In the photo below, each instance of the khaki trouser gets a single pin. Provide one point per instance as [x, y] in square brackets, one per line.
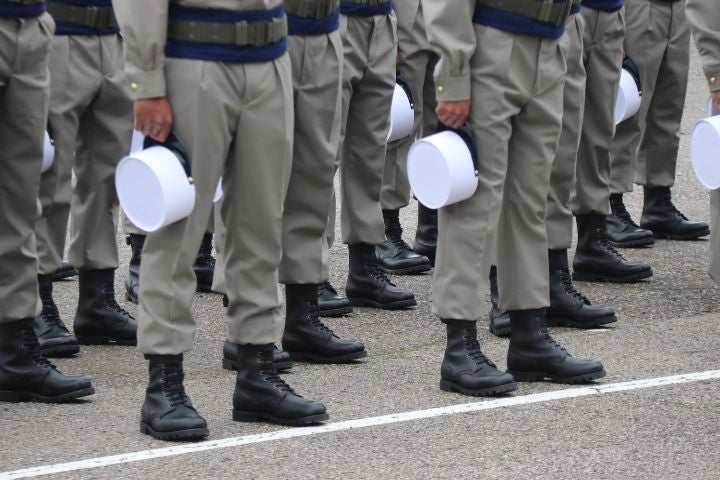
[317, 64]
[517, 84]
[602, 44]
[236, 120]
[91, 117]
[646, 145]
[417, 62]
[562, 180]
[369, 47]
[715, 238]
[24, 94]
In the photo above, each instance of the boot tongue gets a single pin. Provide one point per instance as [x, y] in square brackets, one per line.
[32, 348]
[569, 287]
[472, 346]
[271, 375]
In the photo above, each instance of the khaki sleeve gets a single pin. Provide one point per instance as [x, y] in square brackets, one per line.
[704, 18]
[143, 24]
[451, 33]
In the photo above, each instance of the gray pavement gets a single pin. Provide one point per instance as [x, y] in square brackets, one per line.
[668, 325]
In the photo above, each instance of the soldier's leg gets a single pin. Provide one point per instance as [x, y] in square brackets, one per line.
[104, 136]
[394, 255]
[24, 97]
[657, 154]
[373, 42]
[595, 259]
[567, 305]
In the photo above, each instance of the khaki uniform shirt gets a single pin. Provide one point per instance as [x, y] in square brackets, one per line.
[704, 18]
[144, 26]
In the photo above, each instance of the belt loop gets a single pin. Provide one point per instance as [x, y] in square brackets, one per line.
[241, 33]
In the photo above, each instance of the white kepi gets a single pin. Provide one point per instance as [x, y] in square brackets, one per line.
[48, 153]
[628, 98]
[155, 186]
[705, 151]
[441, 168]
[402, 115]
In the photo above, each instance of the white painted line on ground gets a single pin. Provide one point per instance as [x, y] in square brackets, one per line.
[185, 449]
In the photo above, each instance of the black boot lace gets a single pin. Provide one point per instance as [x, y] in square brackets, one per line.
[604, 240]
[327, 286]
[545, 334]
[172, 385]
[312, 314]
[374, 270]
[472, 347]
[668, 204]
[50, 313]
[394, 235]
[32, 348]
[621, 213]
[270, 373]
[108, 293]
[569, 287]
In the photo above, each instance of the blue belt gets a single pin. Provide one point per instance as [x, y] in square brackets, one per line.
[89, 28]
[310, 26]
[19, 10]
[360, 10]
[224, 52]
[517, 24]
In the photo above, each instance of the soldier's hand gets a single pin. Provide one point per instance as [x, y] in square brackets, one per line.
[715, 99]
[154, 118]
[453, 114]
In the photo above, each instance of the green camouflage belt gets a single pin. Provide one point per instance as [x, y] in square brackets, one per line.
[241, 34]
[541, 10]
[91, 17]
[315, 9]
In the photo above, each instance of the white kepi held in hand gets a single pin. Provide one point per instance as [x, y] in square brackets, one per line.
[628, 98]
[155, 189]
[48, 153]
[402, 115]
[705, 151]
[441, 169]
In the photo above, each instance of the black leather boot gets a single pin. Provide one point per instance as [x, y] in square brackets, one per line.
[534, 356]
[427, 233]
[53, 337]
[598, 261]
[662, 217]
[568, 307]
[499, 319]
[465, 369]
[99, 319]
[167, 413]
[261, 395]
[281, 358]
[132, 282]
[394, 255]
[66, 270]
[27, 376]
[368, 285]
[623, 232]
[306, 338]
[330, 304]
[205, 265]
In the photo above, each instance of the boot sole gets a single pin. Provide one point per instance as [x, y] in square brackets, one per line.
[567, 322]
[56, 277]
[313, 358]
[543, 377]
[407, 271]
[17, 397]
[242, 416]
[598, 277]
[448, 386]
[366, 302]
[61, 351]
[335, 312]
[189, 434]
[131, 298]
[281, 366]
[687, 236]
[105, 340]
[634, 244]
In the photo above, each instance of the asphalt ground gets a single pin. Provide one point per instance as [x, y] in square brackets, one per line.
[667, 326]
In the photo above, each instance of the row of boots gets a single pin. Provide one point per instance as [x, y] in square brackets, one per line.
[260, 393]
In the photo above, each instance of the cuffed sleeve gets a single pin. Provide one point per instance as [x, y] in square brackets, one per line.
[451, 34]
[704, 19]
[143, 24]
